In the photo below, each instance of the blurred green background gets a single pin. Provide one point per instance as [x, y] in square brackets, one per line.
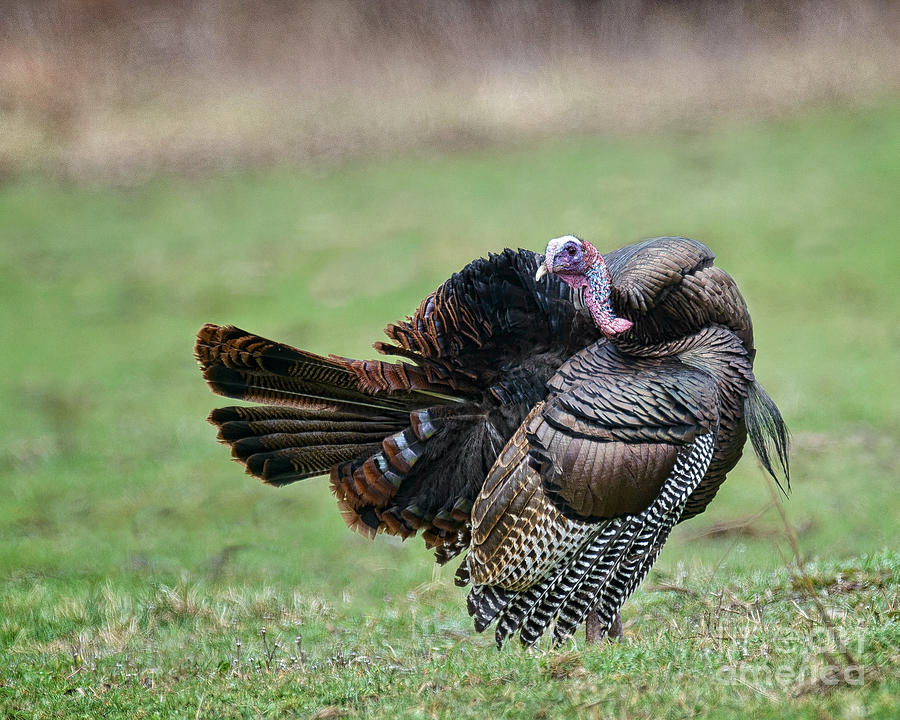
[130, 216]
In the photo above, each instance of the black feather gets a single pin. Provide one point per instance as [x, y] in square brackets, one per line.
[768, 433]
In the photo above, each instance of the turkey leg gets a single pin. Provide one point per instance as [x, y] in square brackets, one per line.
[594, 633]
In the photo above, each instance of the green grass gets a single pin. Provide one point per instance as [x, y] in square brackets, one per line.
[134, 557]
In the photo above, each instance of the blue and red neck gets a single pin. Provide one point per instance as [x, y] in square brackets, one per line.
[598, 294]
[578, 263]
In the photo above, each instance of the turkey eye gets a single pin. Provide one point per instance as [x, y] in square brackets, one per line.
[571, 250]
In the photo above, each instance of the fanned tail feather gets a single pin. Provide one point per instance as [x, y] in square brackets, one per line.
[245, 366]
[366, 423]
[281, 445]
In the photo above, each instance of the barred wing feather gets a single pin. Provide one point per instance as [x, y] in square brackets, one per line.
[583, 497]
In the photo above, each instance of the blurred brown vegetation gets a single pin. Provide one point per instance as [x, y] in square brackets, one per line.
[115, 90]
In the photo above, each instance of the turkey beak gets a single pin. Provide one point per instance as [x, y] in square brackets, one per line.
[541, 271]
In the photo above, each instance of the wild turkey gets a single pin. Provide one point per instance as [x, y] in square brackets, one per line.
[554, 425]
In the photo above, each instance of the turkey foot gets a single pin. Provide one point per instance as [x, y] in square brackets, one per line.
[593, 630]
